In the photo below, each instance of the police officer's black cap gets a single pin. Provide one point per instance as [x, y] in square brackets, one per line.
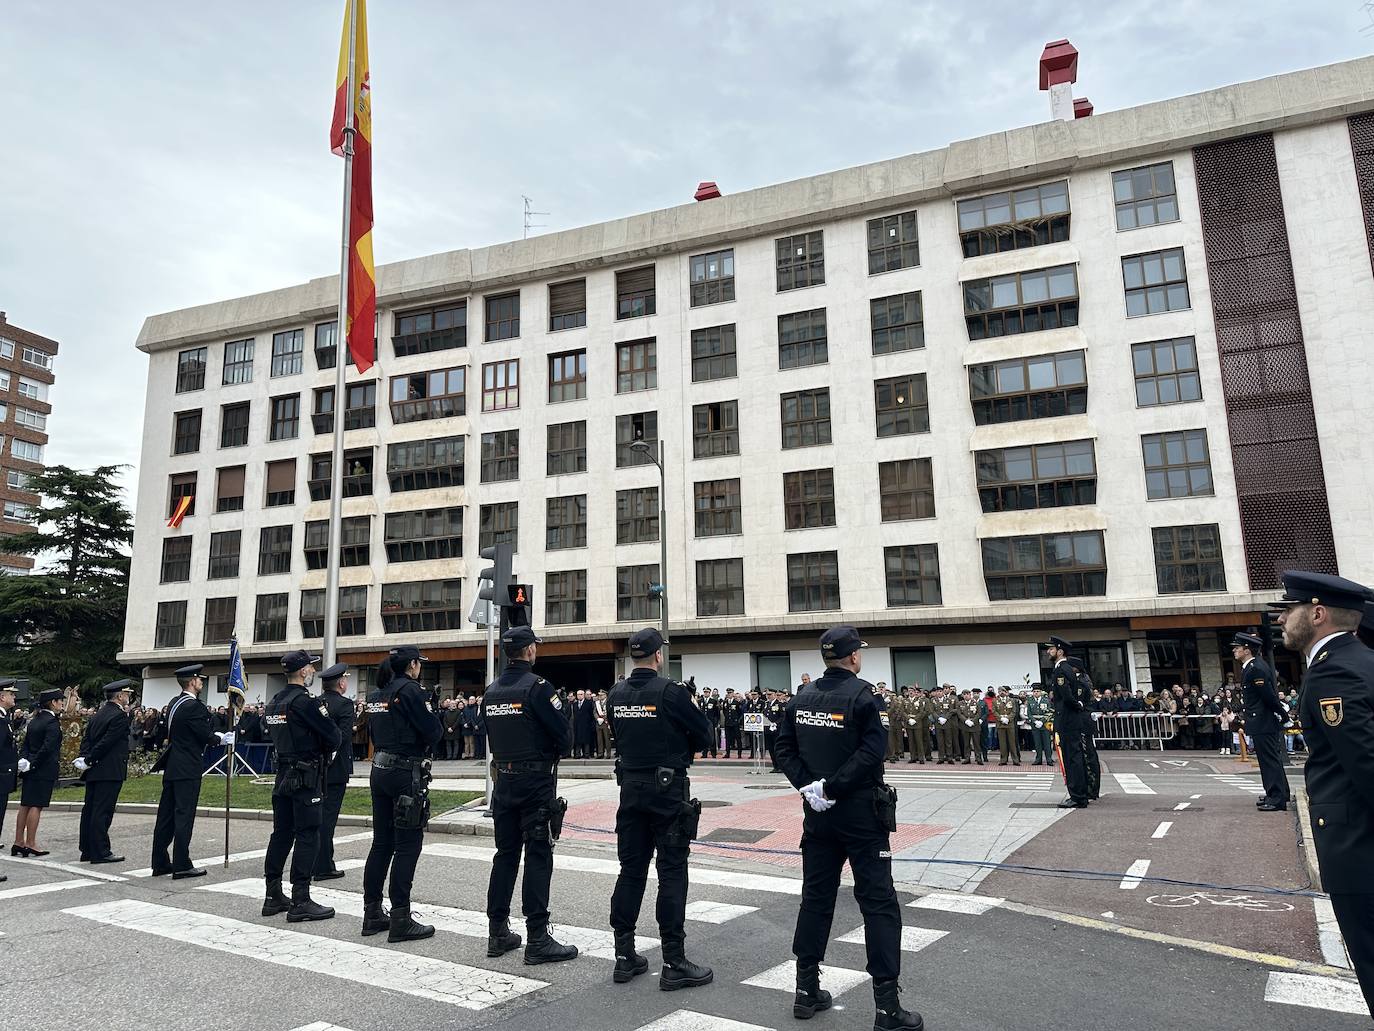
[187, 672]
[519, 637]
[1303, 588]
[52, 694]
[408, 653]
[1077, 663]
[293, 661]
[1250, 641]
[1057, 642]
[334, 672]
[839, 641]
[644, 643]
[7, 683]
[116, 686]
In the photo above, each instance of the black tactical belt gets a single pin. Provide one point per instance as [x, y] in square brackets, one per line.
[392, 761]
[541, 766]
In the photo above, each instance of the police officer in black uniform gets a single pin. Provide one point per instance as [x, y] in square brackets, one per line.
[1264, 716]
[104, 766]
[1069, 714]
[404, 731]
[526, 733]
[1092, 765]
[187, 729]
[831, 747]
[339, 708]
[304, 737]
[1337, 710]
[734, 723]
[658, 730]
[9, 751]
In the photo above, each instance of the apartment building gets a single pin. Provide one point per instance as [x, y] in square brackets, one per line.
[26, 380]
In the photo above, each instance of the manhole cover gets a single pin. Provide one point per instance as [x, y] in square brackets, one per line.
[713, 803]
[736, 835]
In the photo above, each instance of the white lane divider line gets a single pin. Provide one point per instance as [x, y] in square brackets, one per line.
[914, 939]
[1182, 806]
[715, 912]
[467, 987]
[783, 978]
[1323, 993]
[1162, 829]
[690, 1020]
[210, 862]
[44, 889]
[320, 1025]
[72, 868]
[1194, 797]
[1134, 873]
[956, 902]
[1132, 784]
[1329, 933]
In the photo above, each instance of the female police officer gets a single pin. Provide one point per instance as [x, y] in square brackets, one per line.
[404, 728]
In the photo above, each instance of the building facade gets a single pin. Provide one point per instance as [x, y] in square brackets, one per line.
[26, 380]
[1102, 378]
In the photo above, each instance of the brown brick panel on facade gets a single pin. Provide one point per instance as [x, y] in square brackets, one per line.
[1362, 145]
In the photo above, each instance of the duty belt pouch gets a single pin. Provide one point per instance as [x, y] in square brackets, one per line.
[885, 808]
[556, 812]
[619, 778]
[663, 777]
[684, 829]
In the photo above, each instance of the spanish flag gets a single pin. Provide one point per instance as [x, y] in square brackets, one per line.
[353, 94]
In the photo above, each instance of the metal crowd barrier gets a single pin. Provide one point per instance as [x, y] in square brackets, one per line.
[1143, 728]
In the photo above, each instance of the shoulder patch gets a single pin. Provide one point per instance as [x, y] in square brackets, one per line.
[1333, 711]
[556, 702]
[324, 709]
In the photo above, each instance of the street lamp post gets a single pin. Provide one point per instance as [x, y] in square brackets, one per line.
[644, 447]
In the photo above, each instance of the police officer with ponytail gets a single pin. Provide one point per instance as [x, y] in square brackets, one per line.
[527, 733]
[404, 729]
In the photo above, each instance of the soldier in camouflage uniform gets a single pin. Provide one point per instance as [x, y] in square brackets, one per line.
[946, 722]
[918, 711]
[1007, 709]
[896, 725]
[970, 724]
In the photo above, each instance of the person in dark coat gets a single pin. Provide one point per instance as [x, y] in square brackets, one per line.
[104, 766]
[340, 709]
[9, 753]
[187, 729]
[38, 764]
[584, 726]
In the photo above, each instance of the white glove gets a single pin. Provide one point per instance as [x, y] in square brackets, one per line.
[1097, 716]
[911, 723]
[1006, 719]
[23, 766]
[1039, 724]
[227, 738]
[81, 764]
[942, 721]
[814, 793]
[968, 723]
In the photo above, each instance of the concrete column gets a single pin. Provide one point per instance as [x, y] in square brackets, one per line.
[1140, 661]
[1208, 660]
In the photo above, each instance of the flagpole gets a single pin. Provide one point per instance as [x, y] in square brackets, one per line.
[229, 752]
[331, 588]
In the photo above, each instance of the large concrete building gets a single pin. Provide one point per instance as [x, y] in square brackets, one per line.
[26, 378]
[1103, 377]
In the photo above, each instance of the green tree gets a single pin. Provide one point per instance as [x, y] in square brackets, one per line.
[64, 624]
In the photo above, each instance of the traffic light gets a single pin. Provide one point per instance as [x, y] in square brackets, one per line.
[1267, 634]
[519, 607]
[494, 581]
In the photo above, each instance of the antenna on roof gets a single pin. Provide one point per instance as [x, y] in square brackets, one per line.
[530, 213]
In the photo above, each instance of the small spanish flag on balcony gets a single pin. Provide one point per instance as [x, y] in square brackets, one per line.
[184, 504]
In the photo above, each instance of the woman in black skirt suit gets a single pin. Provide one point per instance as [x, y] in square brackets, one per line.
[38, 764]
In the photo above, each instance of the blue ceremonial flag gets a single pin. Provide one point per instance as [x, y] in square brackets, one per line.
[237, 687]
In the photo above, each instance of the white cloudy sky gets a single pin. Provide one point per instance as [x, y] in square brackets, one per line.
[160, 154]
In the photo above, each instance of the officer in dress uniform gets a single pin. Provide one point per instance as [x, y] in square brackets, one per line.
[339, 709]
[1265, 714]
[1092, 765]
[1337, 707]
[969, 714]
[772, 713]
[1008, 711]
[1069, 714]
[104, 766]
[187, 729]
[710, 705]
[734, 724]
[39, 762]
[9, 752]
[896, 725]
[404, 730]
[831, 746]
[658, 730]
[527, 733]
[944, 710]
[918, 725]
[1038, 712]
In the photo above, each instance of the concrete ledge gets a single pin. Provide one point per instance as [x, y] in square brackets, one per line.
[1305, 842]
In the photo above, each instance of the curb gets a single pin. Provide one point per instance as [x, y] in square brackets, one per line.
[1306, 845]
[483, 829]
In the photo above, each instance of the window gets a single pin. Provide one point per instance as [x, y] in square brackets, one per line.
[1188, 559]
[566, 523]
[720, 587]
[713, 353]
[897, 323]
[636, 515]
[233, 424]
[19, 512]
[16, 480]
[501, 385]
[715, 429]
[1042, 476]
[1155, 282]
[808, 498]
[176, 560]
[171, 625]
[269, 618]
[1166, 372]
[30, 419]
[286, 418]
[906, 489]
[287, 351]
[499, 524]
[801, 261]
[224, 555]
[500, 456]
[274, 550]
[229, 489]
[1042, 387]
[503, 316]
[718, 509]
[806, 418]
[423, 535]
[813, 581]
[35, 357]
[6, 347]
[567, 376]
[1021, 302]
[634, 292]
[636, 366]
[219, 620]
[1052, 565]
[422, 605]
[326, 350]
[1016, 219]
[26, 451]
[565, 597]
[567, 304]
[4, 412]
[238, 362]
[281, 483]
[712, 277]
[32, 389]
[360, 408]
[425, 464]
[893, 243]
[357, 474]
[567, 448]
[1145, 196]
[352, 612]
[439, 394]
[4, 380]
[191, 369]
[355, 539]
[630, 428]
[632, 598]
[181, 485]
[913, 575]
[185, 431]
[322, 418]
[1177, 465]
[437, 329]
[901, 406]
[802, 339]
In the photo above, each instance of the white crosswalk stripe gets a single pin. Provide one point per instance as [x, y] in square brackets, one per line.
[1235, 780]
[690, 1020]
[716, 912]
[982, 780]
[1323, 993]
[320, 1025]
[783, 978]
[914, 939]
[1132, 784]
[956, 902]
[44, 889]
[257, 853]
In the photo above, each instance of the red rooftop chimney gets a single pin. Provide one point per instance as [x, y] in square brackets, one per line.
[1082, 107]
[1058, 73]
[707, 190]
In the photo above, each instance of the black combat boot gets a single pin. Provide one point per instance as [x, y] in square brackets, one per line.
[305, 908]
[276, 900]
[679, 971]
[405, 929]
[628, 963]
[810, 997]
[376, 919]
[890, 1015]
[543, 949]
[500, 938]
